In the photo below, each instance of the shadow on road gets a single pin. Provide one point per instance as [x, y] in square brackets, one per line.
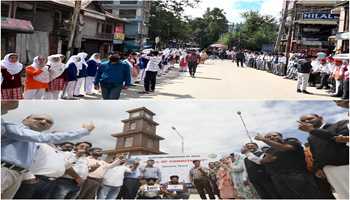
[208, 78]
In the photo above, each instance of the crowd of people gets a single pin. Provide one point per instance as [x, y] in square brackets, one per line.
[37, 165]
[318, 71]
[51, 78]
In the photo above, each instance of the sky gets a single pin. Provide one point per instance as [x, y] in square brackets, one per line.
[233, 8]
[207, 126]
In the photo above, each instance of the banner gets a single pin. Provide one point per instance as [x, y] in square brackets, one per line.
[319, 16]
[179, 165]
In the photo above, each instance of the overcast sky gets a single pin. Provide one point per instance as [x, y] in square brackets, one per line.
[234, 8]
[207, 126]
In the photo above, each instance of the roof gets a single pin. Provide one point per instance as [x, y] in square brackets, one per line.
[18, 25]
[141, 109]
[71, 3]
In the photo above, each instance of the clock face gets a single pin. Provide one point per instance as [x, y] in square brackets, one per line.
[136, 114]
[133, 126]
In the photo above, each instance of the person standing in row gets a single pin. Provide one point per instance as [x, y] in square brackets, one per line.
[304, 70]
[37, 79]
[92, 65]
[11, 85]
[112, 77]
[200, 180]
[56, 69]
[72, 67]
[81, 76]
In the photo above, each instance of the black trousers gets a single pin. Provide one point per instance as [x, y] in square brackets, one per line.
[346, 89]
[42, 189]
[239, 61]
[65, 188]
[192, 67]
[296, 185]
[129, 188]
[313, 79]
[203, 187]
[264, 187]
[324, 81]
[150, 81]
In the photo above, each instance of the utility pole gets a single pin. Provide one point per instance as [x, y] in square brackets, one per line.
[73, 27]
[282, 25]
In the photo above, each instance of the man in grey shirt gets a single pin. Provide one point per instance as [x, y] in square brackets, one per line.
[149, 171]
[199, 177]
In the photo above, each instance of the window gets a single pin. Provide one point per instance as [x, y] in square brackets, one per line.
[148, 116]
[127, 13]
[129, 142]
[135, 114]
[128, 2]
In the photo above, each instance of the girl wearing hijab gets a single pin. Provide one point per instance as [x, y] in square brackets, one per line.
[11, 86]
[225, 183]
[57, 82]
[71, 70]
[92, 65]
[37, 79]
[81, 74]
[244, 188]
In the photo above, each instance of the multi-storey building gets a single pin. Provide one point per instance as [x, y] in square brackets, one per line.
[137, 14]
[307, 25]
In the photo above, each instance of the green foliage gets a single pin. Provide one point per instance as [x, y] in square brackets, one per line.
[253, 33]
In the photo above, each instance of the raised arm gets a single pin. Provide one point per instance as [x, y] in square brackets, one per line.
[23, 133]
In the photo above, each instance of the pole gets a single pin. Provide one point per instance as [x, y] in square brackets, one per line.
[282, 25]
[182, 140]
[73, 26]
[245, 127]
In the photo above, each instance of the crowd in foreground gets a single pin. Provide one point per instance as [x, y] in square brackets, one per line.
[318, 71]
[51, 78]
[36, 164]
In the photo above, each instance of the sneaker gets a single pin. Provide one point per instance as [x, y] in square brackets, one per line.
[299, 91]
[143, 92]
[306, 92]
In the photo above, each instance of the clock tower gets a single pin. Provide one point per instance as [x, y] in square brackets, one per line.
[139, 134]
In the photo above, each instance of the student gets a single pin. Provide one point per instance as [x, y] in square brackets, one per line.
[11, 86]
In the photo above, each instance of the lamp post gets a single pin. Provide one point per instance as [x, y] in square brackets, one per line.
[239, 113]
[182, 139]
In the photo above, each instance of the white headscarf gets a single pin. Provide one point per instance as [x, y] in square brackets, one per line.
[83, 56]
[44, 76]
[56, 67]
[12, 68]
[74, 59]
[36, 62]
[92, 57]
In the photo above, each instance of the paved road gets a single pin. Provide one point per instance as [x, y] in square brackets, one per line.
[223, 80]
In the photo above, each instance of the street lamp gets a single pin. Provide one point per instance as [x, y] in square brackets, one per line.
[239, 113]
[182, 139]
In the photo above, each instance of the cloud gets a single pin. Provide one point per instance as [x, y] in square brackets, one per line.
[207, 126]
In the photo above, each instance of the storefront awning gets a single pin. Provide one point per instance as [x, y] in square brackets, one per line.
[317, 22]
[17, 25]
[343, 36]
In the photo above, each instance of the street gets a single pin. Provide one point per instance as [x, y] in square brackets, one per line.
[223, 80]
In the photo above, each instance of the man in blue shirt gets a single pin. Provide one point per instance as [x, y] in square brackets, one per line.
[112, 76]
[19, 143]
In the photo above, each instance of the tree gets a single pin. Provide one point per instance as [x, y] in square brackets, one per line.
[208, 29]
[254, 32]
[167, 20]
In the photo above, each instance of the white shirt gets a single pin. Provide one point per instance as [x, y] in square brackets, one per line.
[153, 64]
[80, 165]
[48, 161]
[115, 176]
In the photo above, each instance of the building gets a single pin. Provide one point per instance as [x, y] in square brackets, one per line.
[138, 136]
[33, 28]
[137, 14]
[341, 39]
[307, 25]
